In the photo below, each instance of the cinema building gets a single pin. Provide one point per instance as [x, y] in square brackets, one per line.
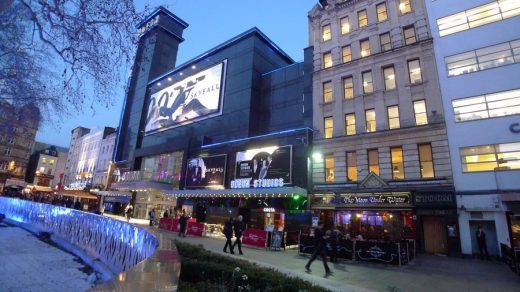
[223, 134]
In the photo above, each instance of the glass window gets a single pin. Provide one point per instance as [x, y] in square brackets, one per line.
[365, 48]
[426, 160]
[462, 63]
[370, 118]
[164, 168]
[346, 53]
[348, 87]
[381, 12]
[326, 33]
[397, 162]
[328, 127]
[350, 124]
[373, 161]
[345, 25]
[367, 82]
[494, 56]
[329, 168]
[386, 44]
[393, 117]
[419, 108]
[490, 157]
[414, 70]
[498, 104]
[327, 91]
[351, 166]
[389, 77]
[409, 35]
[404, 6]
[327, 60]
[362, 18]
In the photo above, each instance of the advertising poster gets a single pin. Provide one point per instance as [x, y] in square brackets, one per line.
[254, 237]
[194, 98]
[206, 171]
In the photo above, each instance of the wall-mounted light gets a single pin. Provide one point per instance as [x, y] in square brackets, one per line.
[193, 67]
[317, 156]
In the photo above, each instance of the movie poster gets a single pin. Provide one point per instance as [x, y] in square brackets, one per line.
[206, 171]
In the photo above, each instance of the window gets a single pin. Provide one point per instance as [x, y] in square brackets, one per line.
[348, 88]
[389, 76]
[367, 82]
[419, 108]
[480, 15]
[397, 162]
[414, 70]
[404, 6]
[11, 140]
[370, 118]
[328, 127]
[486, 106]
[365, 48]
[326, 33]
[426, 160]
[351, 166]
[381, 12]
[393, 117]
[409, 35]
[329, 168]
[42, 169]
[345, 25]
[373, 161]
[484, 58]
[490, 157]
[350, 124]
[346, 54]
[386, 44]
[7, 151]
[327, 60]
[327, 91]
[362, 18]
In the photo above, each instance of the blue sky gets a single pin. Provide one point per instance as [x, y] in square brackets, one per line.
[210, 23]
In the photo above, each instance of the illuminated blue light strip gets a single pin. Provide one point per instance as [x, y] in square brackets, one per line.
[256, 137]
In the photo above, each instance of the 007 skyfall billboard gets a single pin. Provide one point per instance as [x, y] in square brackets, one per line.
[206, 171]
[192, 99]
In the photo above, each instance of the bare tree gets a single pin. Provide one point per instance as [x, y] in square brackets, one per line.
[64, 54]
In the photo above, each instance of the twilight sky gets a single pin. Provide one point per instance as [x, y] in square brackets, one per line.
[210, 24]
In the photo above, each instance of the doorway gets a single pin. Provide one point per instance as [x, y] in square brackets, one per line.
[491, 236]
[435, 240]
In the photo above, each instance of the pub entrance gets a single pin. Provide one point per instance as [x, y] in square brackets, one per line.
[435, 240]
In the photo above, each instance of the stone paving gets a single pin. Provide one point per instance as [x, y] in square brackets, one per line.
[28, 264]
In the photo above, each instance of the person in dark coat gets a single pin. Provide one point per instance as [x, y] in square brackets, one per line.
[239, 226]
[165, 215]
[77, 205]
[183, 221]
[320, 249]
[151, 214]
[228, 232]
[334, 239]
[481, 240]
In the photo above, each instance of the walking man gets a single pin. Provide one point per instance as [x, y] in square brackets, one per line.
[239, 226]
[481, 240]
[183, 221]
[228, 232]
[151, 214]
[320, 249]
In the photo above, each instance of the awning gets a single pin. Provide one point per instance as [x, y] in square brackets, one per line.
[241, 193]
[40, 188]
[114, 194]
[80, 195]
[15, 183]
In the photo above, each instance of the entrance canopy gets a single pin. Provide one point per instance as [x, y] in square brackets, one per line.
[283, 192]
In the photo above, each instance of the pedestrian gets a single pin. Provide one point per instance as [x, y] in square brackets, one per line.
[183, 221]
[334, 238]
[129, 211]
[320, 248]
[151, 214]
[165, 215]
[77, 205]
[238, 226]
[228, 232]
[481, 240]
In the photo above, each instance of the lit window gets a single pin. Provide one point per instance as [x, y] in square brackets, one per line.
[44, 160]
[419, 108]
[350, 124]
[365, 48]
[351, 166]
[346, 54]
[373, 161]
[490, 157]
[498, 104]
[409, 35]
[370, 118]
[328, 127]
[329, 168]
[348, 88]
[393, 117]
[389, 76]
[386, 43]
[367, 82]
[345, 25]
[414, 70]
[426, 160]
[11, 140]
[404, 6]
[397, 162]
[381, 12]
[327, 60]
[327, 91]
[42, 169]
[326, 32]
[362, 18]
